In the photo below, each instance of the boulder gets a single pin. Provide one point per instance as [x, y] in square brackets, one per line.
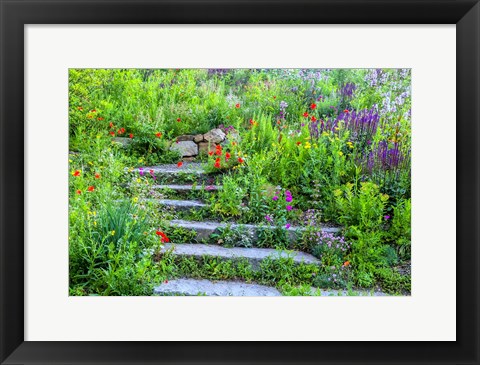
[123, 141]
[185, 138]
[198, 138]
[185, 148]
[203, 147]
[214, 136]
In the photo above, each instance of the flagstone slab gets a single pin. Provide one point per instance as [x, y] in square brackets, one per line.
[193, 287]
[205, 229]
[253, 255]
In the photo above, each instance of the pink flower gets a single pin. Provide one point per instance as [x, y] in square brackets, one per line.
[289, 207]
[287, 226]
[275, 198]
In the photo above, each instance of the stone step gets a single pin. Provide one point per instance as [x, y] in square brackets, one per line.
[179, 204]
[205, 229]
[183, 189]
[253, 255]
[189, 171]
[193, 287]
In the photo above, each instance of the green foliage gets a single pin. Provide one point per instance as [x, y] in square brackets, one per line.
[363, 208]
[400, 229]
[229, 199]
[393, 282]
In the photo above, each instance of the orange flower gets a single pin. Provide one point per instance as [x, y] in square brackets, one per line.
[241, 160]
[80, 108]
[97, 176]
[158, 134]
[237, 105]
[210, 153]
[121, 131]
[131, 135]
[179, 120]
[346, 111]
[217, 164]
[112, 134]
[305, 115]
[313, 106]
[313, 118]
[163, 236]
[299, 143]
[79, 192]
[110, 124]
[234, 143]
[91, 188]
[346, 263]
[76, 173]
[180, 164]
[227, 155]
[100, 118]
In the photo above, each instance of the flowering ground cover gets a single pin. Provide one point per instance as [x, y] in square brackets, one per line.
[306, 191]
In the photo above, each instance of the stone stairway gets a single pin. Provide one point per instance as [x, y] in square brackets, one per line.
[188, 178]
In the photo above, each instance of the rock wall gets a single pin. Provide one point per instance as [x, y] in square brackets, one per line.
[193, 145]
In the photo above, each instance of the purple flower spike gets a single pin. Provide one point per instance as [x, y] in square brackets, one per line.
[289, 207]
[268, 218]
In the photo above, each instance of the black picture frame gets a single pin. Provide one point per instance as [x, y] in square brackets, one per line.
[17, 13]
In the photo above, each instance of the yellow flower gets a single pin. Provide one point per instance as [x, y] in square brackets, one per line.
[340, 153]
[95, 223]
[139, 181]
[98, 136]
[307, 145]
[70, 161]
[130, 169]
[112, 233]
[135, 199]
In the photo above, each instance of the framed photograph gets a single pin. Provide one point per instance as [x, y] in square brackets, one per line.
[239, 182]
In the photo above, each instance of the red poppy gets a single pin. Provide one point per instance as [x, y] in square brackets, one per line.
[158, 134]
[346, 111]
[80, 108]
[299, 143]
[131, 135]
[179, 120]
[76, 173]
[274, 97]
[313, 118]
[217, 164]
[100, 118]
[91, 188]
[234, 143]
[97, 176]
[237, 105]
[251, 121]
[89, 116]
[227, 155]
[164, 238]
[313, 106]
[111, 125]
[241, 160]
[305, 115]
[166, 281]
[210, 153]
[151, 171]
[79, 192]
[121, 131]
[180, 164]
[112, 134]
[278, 122]
[93, 111]
[346, 263]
